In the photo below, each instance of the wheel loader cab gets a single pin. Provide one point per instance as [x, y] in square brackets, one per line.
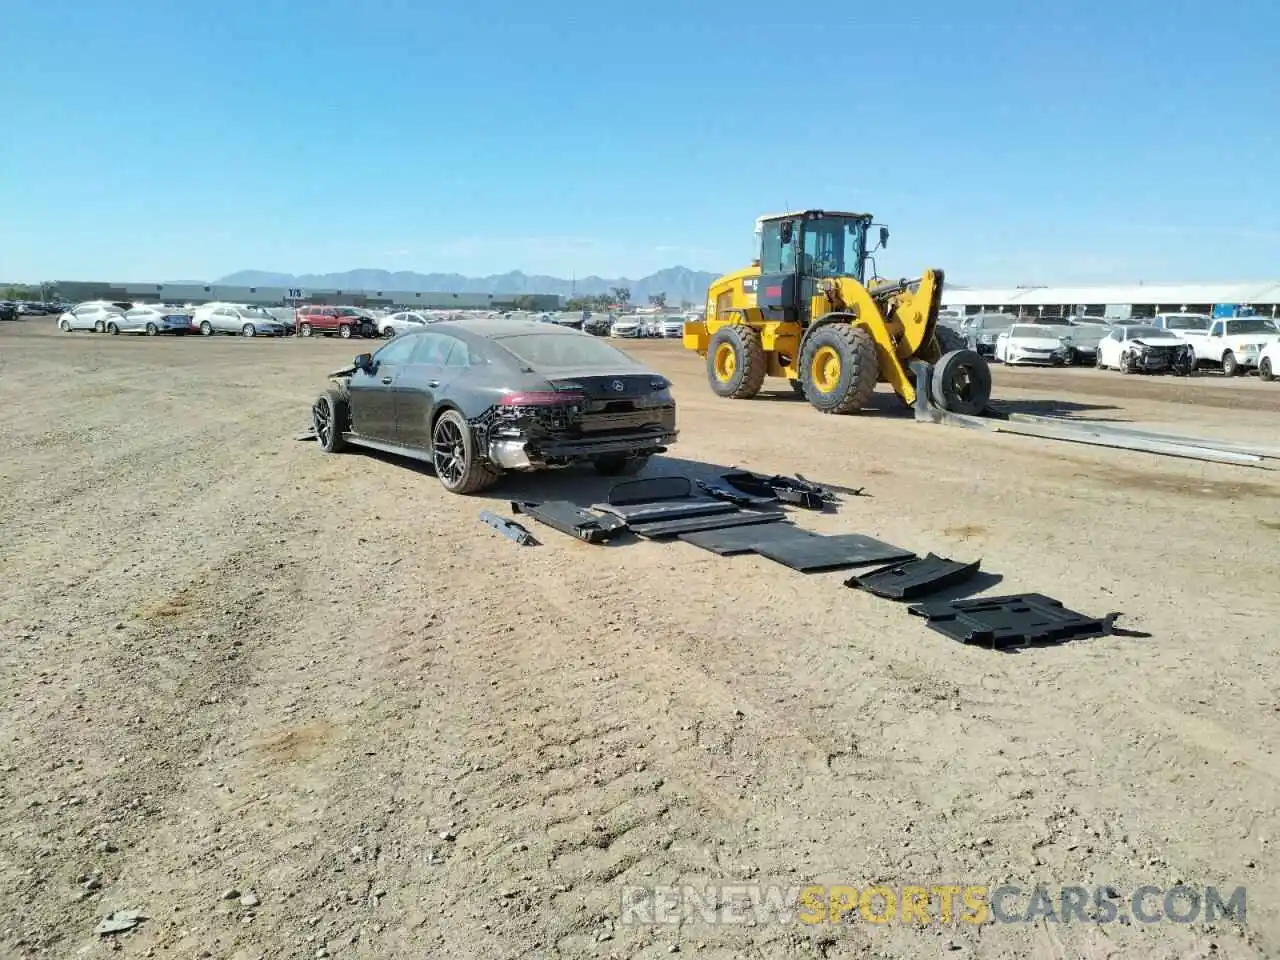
[799, 251]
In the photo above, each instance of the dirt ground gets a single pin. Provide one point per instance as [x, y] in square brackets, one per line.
[295, 705]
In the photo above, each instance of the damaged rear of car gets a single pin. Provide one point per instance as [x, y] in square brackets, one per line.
[479, 399]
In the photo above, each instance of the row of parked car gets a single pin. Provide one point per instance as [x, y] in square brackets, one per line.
[153, 319]
[1165, 343]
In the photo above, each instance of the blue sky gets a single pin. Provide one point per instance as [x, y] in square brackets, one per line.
[1004, 142]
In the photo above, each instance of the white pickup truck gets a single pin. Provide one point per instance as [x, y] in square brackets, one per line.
[1233, 343]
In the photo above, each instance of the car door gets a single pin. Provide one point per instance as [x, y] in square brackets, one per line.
[373, 409]
[1109, 349]
[437, 358]
[83, 318]
[134, 320]
[1215, 343]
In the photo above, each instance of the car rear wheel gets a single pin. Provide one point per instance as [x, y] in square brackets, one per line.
[453, 454]
[304, 330]
[329, 416]
[388, 333]
[152, 329]
[1264, 370]
[619, 464]
[113, 329]
[248, 330]
[344, 332]
[1230, 366]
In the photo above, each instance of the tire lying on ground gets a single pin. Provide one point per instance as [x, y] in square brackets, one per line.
[839, 367]
[735, 362]
[961, 382]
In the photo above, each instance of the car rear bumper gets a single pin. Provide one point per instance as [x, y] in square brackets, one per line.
[518, 454]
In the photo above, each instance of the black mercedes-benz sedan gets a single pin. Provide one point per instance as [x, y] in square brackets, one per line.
[479, 397]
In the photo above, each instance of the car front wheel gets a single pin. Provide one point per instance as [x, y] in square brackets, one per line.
[329, 418]
[1264, 370]
[344, 332]
[453, 454]
[248, 330]
[65, 326]
[1230, 366]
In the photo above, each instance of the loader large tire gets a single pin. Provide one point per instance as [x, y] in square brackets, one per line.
[839, 367]
[735, 362]
[961, 382]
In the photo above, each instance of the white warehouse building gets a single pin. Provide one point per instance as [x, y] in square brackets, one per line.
[1115, 300]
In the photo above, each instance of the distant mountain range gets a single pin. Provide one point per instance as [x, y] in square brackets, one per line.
[678, 283]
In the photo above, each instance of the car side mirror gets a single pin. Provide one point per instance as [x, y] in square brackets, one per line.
[364, 362]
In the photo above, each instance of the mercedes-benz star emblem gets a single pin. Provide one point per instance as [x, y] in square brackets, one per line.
[618, 386]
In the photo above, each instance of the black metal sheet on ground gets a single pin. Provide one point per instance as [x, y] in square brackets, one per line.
[1019, 620]
[832, 553]
[722, 492]
[716, 521]
[654, 511]
[568, 517]
[735, 540]
[650, 489]
[912, 579]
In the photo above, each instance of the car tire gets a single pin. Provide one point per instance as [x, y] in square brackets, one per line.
[152, 330]
[1230, 366]
[344, 331]
[330, 415]
[248, 330]
[388, 333]
[99, 327]
[304, 330]
[206, 329]
[458, 466]
[1124, 362]
[1071, 357]
[619, 465]
[736, 362]
[113, 329]
[64, 326]
[839, 367]
[1097, 360]
[1264, 370]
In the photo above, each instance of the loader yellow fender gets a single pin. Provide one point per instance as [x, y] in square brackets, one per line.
[725, 362]
[824, 369]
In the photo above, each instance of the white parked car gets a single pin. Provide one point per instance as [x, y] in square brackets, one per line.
[1185, 325]
[246, 320]
[1235, 343]
[1269, 361]
[1032, 343]
[398, 323]
[627, 327]
[672, 326]
[151, 319]
[92, 315]
[1137, 348]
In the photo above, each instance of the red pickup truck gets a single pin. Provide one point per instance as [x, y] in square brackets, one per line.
[346, 322]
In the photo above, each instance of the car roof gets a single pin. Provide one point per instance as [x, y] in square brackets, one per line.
[497, 329]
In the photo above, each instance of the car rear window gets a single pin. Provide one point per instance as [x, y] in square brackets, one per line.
[549, 350]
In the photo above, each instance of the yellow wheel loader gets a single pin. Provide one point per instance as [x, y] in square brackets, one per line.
[803, 311]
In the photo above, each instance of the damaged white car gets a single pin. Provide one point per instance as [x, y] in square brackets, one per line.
[1144, 349]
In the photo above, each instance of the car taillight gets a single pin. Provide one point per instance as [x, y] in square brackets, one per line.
[542, 398]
